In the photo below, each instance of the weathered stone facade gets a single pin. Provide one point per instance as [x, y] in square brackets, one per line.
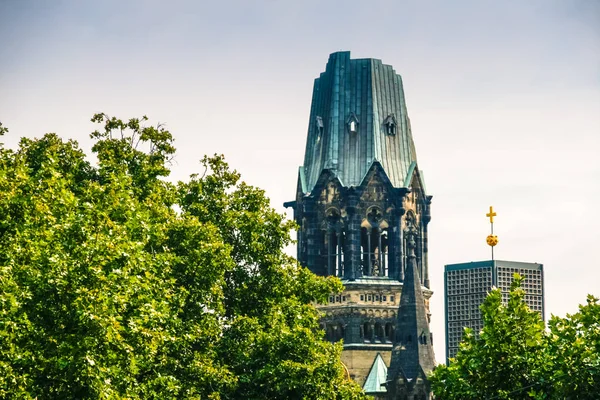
[364, 316]
[360, 195]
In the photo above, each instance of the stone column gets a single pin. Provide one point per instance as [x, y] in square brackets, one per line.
[379, 252]
[401, 254]
[419, 251]
[338, 235]
[330, 255]
[352, 260]
[395, 244]
[369, 269]
[426, 219]
[313, 241]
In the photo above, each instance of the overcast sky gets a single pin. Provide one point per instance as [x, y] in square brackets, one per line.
[503, 96]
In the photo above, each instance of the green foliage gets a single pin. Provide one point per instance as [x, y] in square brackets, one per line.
[117, 284]
[3, 129]
[574, 353]
[514, 357]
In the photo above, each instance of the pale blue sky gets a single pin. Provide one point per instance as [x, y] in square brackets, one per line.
[504, 100]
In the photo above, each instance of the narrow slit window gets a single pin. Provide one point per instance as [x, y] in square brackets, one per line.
[352, 123]
[320, 126]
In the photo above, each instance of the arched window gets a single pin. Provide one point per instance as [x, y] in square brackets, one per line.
[330, 333]
[379, 335]
[340, 331]
[389, 125]
[389, 332]
[368, 332]
[374, 247]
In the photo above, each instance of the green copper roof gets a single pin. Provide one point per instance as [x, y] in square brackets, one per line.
[358, 116]
[376, 378]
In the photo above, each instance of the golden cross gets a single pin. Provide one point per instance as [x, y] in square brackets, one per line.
[491, 214]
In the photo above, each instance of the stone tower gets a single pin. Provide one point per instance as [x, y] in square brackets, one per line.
[359, 193]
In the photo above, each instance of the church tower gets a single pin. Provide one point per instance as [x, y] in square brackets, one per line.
[360, 205]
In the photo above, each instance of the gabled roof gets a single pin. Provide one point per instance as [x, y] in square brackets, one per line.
[373, 168]
[413, 170]
[327, 176]
[377, 376]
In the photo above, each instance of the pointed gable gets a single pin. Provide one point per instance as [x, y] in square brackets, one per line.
[377, 376]
[412, 355]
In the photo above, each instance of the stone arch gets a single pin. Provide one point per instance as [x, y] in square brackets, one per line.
[368, 331]
[338, 331]
[379, 332]
[330, 332]
[333, 233]
[390, 332]
[374, 243]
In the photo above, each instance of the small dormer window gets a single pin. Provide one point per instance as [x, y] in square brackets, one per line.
[320, 126]
[389, 125]
[352, 123]
[391, 129]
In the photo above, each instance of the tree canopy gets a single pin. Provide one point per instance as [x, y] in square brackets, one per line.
[515, 357]
[115, 283]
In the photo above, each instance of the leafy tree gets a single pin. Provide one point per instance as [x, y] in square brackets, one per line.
[574, 353]
[514, 357]
[115, 283]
